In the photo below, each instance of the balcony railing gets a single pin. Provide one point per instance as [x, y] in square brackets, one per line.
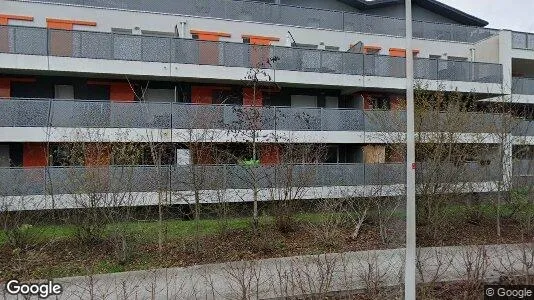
[18, 112]
[115, 179]
[473, 122]
[297, 16]
[167, 115]
[441, 172]
[451, 70]
[112, 46]
[523, 172]
[112, 179]
[524, 128]
[522, 40]
[523, 86]
[176, 115]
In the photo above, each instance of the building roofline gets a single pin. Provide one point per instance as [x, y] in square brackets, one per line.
[432, 5]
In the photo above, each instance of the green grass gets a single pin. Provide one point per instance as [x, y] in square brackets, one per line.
[144, 230]
[147, 231]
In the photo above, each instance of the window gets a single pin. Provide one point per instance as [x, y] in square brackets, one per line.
[379, 102]
[227, 97]
[158, 33]
[303, 101]
[121, 30]
[457, 58]
[64, 92]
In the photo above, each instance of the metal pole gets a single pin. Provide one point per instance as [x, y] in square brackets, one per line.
[410, 259]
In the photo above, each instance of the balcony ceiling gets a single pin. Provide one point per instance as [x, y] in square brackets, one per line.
[431, 5]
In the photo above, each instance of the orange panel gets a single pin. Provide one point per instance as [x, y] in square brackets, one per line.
[371, 49]
[121, 92]
[270, 154]
[57, 23]
[34, 155]
[5, 88]
[208, 53]
[399, 52]
[261, 40]
[202, 94]
[209, 35]
[248, 97]
[97, 154]
[4, 19]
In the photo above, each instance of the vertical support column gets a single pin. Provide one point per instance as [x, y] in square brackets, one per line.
[505, 59]
[411, 255]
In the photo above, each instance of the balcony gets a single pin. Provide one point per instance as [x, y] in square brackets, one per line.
[522, 40]
[111, 46]
[269, 13]
[135, 179]
[524, 128]
[440, 172]
[176, 115]
[523, 172]
[523, 86]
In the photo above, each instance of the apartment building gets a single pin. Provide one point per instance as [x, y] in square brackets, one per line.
[319, 84]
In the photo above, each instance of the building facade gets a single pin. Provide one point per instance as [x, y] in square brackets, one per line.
[167, 89]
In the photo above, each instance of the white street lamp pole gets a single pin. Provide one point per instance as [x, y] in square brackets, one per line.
[410, 260]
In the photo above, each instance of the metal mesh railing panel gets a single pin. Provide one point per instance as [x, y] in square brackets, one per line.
[383, 65]
[24, 113]
[293, 118]
[384, 121]
[69, 113]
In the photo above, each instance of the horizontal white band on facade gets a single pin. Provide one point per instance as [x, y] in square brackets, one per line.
[67, 201]
[46, 134]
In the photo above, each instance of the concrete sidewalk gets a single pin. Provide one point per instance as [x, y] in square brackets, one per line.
[313, 274]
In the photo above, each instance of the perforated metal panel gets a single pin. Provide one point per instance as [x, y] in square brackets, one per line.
[185, 51]
[519, 40]
[385, 121]
[353, 63]
[342, 120]
[140, 115]
[127, 47]
[189, 116]
[93, 45]
[71, 113]
[525, 128]
[22, 181]
[24, 113]
[454, 70]
[425, 68]
[237, 55]
[25, 40]
[385, 174]
[386, 66]
[294, 118]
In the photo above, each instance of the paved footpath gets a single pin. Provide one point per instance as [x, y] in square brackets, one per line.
[289, 276]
